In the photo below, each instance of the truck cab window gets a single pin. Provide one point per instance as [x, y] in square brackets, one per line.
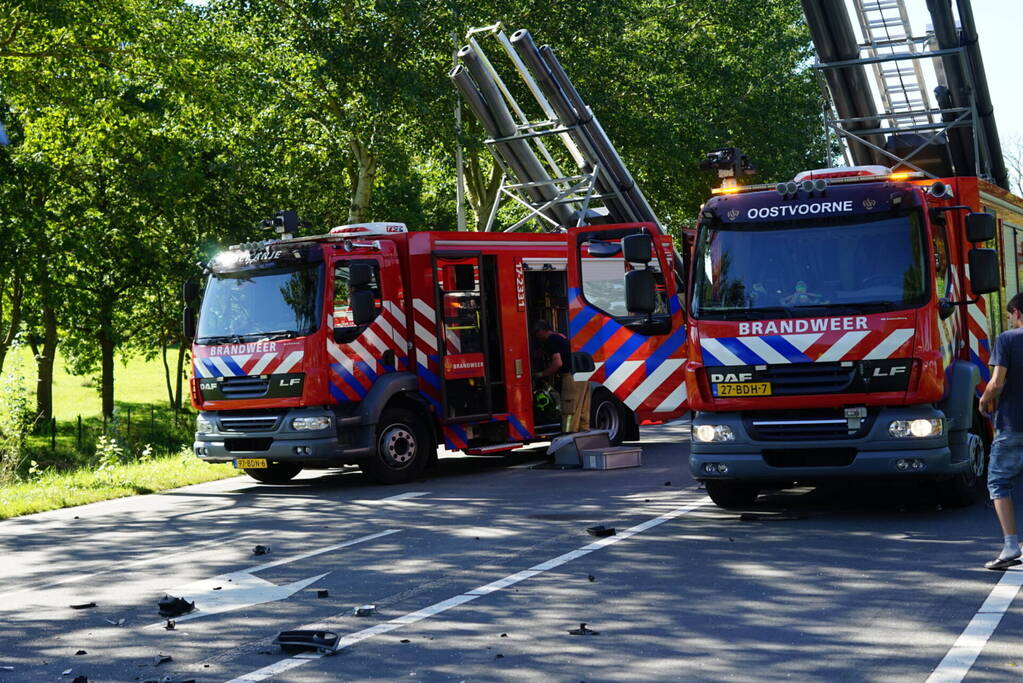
[341, 311]
[604, 285]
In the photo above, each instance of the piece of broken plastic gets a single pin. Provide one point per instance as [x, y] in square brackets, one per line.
[83, 605]
[161, 659]
[172, 607]
[80, 679]
[261, 550]
[600, 531]
[307, 641]
[365, 610]
[583, 631]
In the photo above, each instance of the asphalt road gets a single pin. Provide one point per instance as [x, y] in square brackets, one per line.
[479, 572]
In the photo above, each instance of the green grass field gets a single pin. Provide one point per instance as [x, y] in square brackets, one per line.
[60, 467]
[136, 381]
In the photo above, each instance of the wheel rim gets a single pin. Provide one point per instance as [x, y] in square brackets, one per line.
[607, 417]
[397, 446]
[976, 446]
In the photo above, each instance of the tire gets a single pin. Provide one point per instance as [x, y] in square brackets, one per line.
[730, 494]
[403, 448]
[275, 473]
[963, 489]
[609, 413]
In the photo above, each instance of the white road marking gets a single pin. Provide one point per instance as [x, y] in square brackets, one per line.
[405, 496]
[964, 652]
[156, 556]
[238, 589]
[444, 605]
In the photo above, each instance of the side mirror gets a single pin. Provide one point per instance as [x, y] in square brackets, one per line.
[582, 362]
[190, 290]
[640, 292]
[602, 249]
[983, 271]
[188, 323]
[980, 227]
[363, 306]
[636, 248]
[360, 275]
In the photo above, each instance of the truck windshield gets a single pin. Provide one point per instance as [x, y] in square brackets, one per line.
[258, 304]
[777, 270]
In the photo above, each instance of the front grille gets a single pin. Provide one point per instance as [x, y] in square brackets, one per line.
[808, 378]
[244, 387]
[809, 457]
[247, 445]
[249, 423]
[805, 425]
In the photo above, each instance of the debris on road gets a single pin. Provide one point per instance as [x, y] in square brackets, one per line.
[322, 593]
[114, 622]
[261, 550]
[307, 641]
[169, 626]
[66, 672]
[162, 659]
[80, 679]
[81, 652]
[504, 635]
[365, 611]
[405, 640]
[173, 607]
[600, 531]
[781, 517]
[583, 631]
[667, 483]
[592, 578]
[83, 605]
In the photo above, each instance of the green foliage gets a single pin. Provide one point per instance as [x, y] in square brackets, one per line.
[15, 422]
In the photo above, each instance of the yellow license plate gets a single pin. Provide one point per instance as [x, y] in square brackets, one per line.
[735, 390]
[250, 463]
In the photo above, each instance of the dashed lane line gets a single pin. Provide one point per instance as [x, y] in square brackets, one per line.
[486, 589]
[964, 652]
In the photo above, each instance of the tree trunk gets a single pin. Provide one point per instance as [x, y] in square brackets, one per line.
[182, 349]
[481, 191]
[106, 347]
[167, 372]
[44, 365]
[14, 321]
[366, 174]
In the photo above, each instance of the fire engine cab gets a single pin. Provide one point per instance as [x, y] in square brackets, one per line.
[372, 345]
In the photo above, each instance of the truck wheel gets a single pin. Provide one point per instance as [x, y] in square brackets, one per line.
[730, 494]
[275, 473]
[963, 489]
[403, 448]
[609, 414]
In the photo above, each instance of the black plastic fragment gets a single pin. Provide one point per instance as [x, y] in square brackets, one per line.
[172, 607]
[583, 631]
[169, 626]
[307, 641]
[81, 652]
[80, 679]
[161, 659]
[322, 593]
[600, 531]
[592, 578]
[261, 550]
[83, 605]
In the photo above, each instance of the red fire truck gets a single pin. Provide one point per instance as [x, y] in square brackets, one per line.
[372, 345]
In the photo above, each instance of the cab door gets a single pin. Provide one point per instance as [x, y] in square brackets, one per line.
[463, 339]
[639, 356]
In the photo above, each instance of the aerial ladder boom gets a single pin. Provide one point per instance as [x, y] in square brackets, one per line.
[601, 191]
[895, 124]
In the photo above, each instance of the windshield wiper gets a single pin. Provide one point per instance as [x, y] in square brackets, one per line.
[219, 339]
[768, 312]
[276, 334]
[856, 307]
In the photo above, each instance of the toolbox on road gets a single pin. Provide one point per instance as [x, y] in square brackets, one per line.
[612, 458]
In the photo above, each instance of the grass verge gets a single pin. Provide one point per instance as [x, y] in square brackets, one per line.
[53, 490]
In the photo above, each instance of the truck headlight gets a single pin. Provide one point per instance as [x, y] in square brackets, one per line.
[309, 424]
[708, 433]
[920, 428]
[202, 425]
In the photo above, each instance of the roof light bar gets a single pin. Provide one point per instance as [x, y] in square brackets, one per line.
[891, 177]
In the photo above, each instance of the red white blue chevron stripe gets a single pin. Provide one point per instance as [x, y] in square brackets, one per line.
[243, 364]
[354, 366]
[645, 372]
[814, 347]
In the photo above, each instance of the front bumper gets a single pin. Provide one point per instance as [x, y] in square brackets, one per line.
[875, 455]
[271, 436]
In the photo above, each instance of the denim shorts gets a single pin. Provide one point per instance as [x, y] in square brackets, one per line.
[1005, 464]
